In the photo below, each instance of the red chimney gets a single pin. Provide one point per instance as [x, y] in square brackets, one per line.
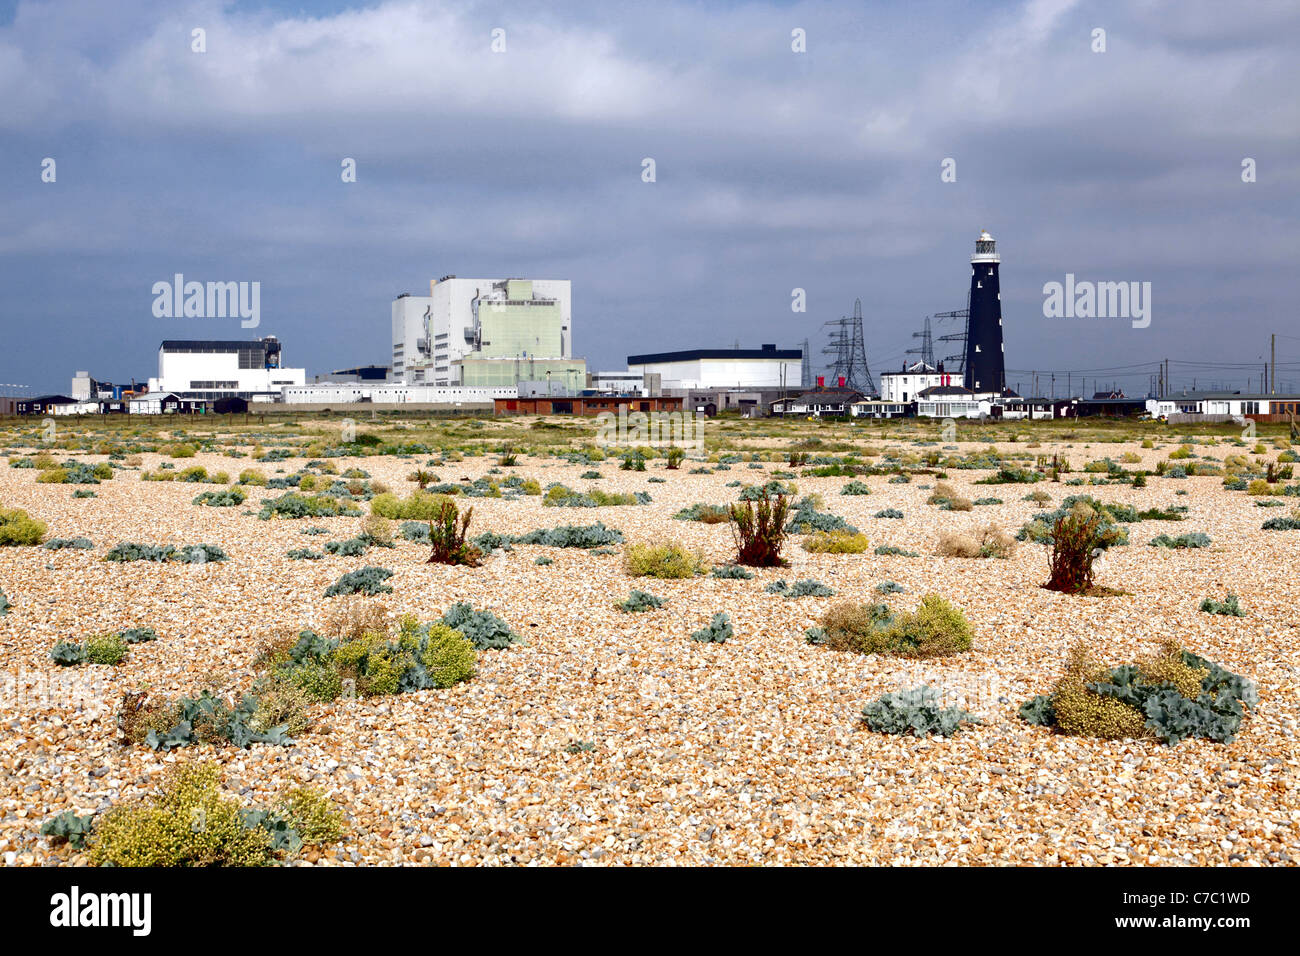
[821, 381]
[841, 381]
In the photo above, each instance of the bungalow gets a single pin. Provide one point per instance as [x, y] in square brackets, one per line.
[875, 408]
[952, 401]
[1224, 406]
[1015, 407]
[819, 402]
[41, 404]
[166, 403]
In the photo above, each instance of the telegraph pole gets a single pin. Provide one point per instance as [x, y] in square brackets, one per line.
[1272, 379]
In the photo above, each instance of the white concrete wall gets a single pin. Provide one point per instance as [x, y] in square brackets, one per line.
[726, 373]
[343, 393]
[176, 370]
[408, 327]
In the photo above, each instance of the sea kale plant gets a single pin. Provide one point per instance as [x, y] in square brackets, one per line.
[917, 712]
[1170, 695]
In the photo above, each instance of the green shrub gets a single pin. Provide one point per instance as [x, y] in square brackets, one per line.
[856, 488]
[183, 554]
[803, 588]
[1228, 607]
[1009, 476]
[717, 631]
[19, 528]
[806, 519]
[59, 544]
[68, 654]
[162, 832]
[639, 601]
[304, 554]
[835, 542]
[1170, 696]
[558, 496]
[915, 712]
[483, 629]
[732, 572]
[572, 536]
[708, 514]
[350, 548]
[1272, 524]
[662, 560]
[1193, 539]
[935, 629]
[228, 498]
[368, 580]
[313, 815]
[4, 604]
[1108, 532]
[889, 550]
[291, 505]
[68, 827]
[105, 649]
[890, 513]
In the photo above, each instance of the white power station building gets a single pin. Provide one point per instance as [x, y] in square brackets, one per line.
[766, 367]
[212, 369]
[486, 333]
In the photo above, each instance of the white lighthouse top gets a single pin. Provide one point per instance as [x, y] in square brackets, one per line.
[985, 249]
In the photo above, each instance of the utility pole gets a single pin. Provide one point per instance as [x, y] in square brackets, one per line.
[1273, 378]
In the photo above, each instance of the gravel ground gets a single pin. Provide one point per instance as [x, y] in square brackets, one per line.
[748, 752]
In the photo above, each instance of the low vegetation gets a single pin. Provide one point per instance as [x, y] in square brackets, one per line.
[989, 541]
[717, 632]
[917, 712]
[1171, 695]
[664, 559]
[161, 831]
[17, 527]
[935, 629]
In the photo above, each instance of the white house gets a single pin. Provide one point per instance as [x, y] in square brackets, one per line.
[904, 385]
[953, 401]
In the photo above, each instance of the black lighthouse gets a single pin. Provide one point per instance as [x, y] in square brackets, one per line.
[985, 366]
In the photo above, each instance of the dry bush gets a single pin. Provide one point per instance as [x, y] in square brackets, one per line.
[987, 542]
[942, 492]
[353, 618]
[378, 529]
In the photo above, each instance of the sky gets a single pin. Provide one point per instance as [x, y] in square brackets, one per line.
[775, 170]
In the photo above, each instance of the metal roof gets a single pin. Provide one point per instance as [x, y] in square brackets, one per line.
[692, 355]
[215, 344]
